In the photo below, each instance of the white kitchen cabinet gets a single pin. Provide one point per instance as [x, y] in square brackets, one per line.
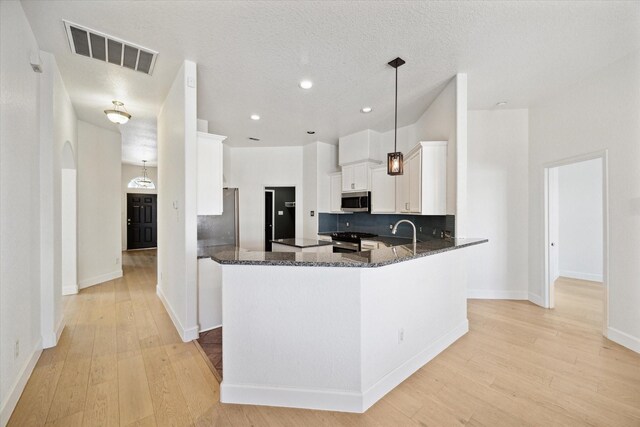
[356, 177]
[335, 186]
[383, 191]
[209, 174]
[422, 189]
[209, 294]
[358, 147]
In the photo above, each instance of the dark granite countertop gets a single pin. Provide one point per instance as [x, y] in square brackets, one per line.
[375, 258]
[302, 243]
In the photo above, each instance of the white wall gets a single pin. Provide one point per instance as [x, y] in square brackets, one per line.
[580, 219]
[177, 214]
[128, 173]
[20, 207]
[601, 112]
[251, 170]
[99, 197]
[319, 160]
[498, 203]
[310, 190]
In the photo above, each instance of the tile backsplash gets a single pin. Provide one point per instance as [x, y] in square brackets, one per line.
[379, 224]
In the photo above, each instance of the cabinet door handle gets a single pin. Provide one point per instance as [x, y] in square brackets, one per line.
[353, 186]
[406, 206]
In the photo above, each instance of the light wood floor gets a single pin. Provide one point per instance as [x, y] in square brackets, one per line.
[121, 362]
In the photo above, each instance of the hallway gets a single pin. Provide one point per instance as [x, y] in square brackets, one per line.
[121, 362]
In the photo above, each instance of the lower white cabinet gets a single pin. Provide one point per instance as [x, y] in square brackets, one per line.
[209, 175]
[209, 294]
[383, 191]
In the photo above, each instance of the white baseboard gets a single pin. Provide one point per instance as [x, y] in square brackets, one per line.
[70, 289]
[404, 371]
[335, 400]
[96, 280]
[51, 340]
[9, 404]
[581, 276]
[496, 294]
[536, 299]
[187, 334]
[624, 339]
[211, 327]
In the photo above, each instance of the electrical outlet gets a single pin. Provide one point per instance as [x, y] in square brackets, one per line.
[400, 335]
[390, 226]
[347, 224]
[420, 229]
[16, 349]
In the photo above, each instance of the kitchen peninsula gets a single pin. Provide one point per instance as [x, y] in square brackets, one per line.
[336, 331]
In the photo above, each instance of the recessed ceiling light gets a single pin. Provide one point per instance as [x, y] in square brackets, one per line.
[254, 139]
[311, 132]
[501, 103]
[255, 117]
[366, 110]
[306, 84]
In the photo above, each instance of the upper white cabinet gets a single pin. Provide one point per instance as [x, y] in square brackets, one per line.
[359, 147]
[422, 189]
[209, 181]
[383, 191]
[355, 177]
[335, 204]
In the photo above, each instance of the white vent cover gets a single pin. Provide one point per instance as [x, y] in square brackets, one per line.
[94, 44]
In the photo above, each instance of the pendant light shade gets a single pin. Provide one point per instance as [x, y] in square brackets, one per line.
[395, 162]
[143, 181]
[118, 114]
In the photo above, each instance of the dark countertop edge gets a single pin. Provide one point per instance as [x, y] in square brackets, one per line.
[344, 263]
[318, 244]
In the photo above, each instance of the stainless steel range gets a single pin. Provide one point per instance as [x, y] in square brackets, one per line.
[348, 241]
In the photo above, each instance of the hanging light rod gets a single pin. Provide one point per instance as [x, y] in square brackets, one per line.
[395, 162]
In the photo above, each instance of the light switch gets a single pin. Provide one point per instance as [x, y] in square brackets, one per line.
[191, 81]
[280, 212]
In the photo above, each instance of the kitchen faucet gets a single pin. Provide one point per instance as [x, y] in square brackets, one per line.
[395, 228]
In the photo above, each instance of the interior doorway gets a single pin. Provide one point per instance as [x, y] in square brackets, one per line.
[68, 220]
[279, 214]
[576, 233]
[142, 218]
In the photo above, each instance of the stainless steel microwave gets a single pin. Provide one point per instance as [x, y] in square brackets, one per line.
[356, 202]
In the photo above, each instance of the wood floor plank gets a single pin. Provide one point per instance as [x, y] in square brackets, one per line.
[134, 398]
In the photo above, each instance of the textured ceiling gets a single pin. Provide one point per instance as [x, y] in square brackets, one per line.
[251, 56]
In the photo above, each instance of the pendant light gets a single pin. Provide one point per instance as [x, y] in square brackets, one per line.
[395, 163]
[142, 181]
[118, 114]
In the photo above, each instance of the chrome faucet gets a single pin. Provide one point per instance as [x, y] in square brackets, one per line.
[395, 228]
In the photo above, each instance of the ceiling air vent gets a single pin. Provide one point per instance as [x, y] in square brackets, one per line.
[94, 44]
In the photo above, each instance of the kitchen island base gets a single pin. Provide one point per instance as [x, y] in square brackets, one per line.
[336, 338]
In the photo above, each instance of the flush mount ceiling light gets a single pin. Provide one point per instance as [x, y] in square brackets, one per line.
[501, 103]
[395, 163]
[306, 84]
[255, 117]
[118, 114]
[366, 110]
[142, 181]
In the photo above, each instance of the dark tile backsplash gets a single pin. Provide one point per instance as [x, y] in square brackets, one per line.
[379, 224]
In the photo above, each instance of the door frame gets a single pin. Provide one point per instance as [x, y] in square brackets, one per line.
[603, 155]
[273, 215]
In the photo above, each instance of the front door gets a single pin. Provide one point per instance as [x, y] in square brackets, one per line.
[141, 221]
